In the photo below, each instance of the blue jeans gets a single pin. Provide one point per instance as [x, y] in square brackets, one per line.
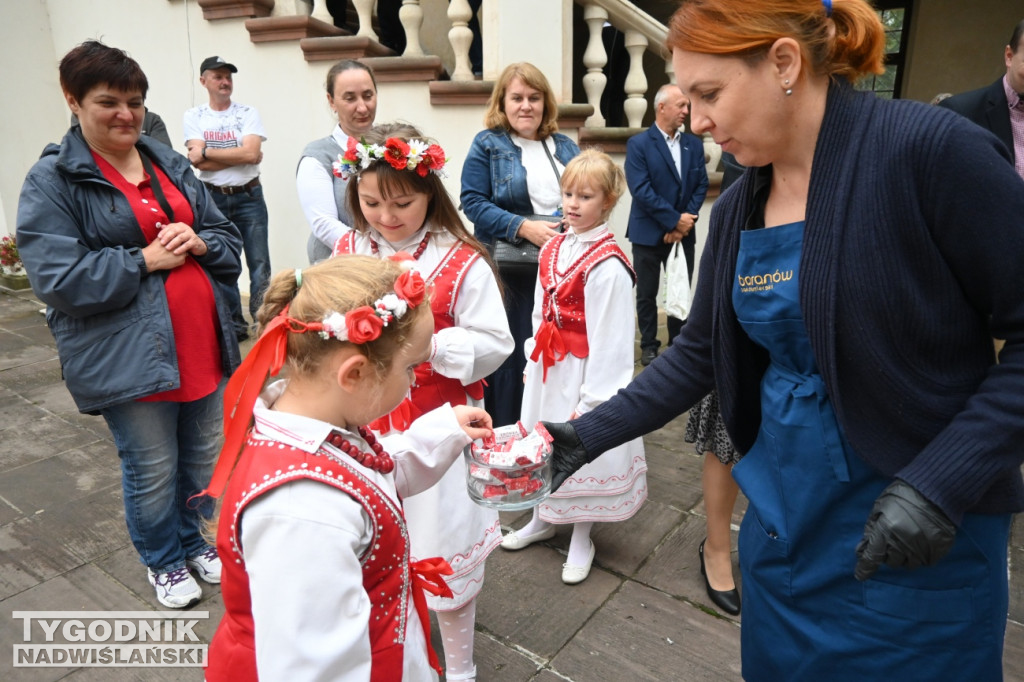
[248, 212]
[168, 451]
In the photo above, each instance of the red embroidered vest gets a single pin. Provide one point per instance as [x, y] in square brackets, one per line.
[431, 390]
[263, 466]
[563, 327]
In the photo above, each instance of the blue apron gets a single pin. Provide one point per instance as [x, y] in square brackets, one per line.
[805, 617]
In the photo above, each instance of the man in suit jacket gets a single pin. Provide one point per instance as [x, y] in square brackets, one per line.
[667, 180]
[1000, 107]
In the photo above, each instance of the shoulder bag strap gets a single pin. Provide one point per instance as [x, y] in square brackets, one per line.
[558, 177]
[154, 182]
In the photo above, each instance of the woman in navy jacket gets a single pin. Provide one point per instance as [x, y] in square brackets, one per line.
[851, 286]
[122, 243]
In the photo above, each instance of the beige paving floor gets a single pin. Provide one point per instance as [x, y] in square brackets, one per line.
[641, 615]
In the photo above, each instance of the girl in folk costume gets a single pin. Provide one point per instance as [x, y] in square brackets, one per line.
[317, 579]
[580, 355]
[398, 204]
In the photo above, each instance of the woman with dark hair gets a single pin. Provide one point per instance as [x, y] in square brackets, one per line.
[399, 205]
[845, 313]
[511, 174]
[352, 96]
[123, 244]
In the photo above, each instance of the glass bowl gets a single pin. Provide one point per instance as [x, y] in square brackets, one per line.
[507, 482]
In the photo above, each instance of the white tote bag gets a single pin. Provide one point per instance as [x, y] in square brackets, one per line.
[677, 293]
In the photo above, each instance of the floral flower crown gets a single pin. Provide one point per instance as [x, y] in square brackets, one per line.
[268, 356]
[414, 155]
[365, 323]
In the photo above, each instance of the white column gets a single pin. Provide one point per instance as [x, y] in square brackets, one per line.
[539, 32]
[461, 37]
[411, 16]
[670, 71]
[364, 8]
[636, 82]
[319, 11]
[489, 38]
[594, 58]
[302, 8]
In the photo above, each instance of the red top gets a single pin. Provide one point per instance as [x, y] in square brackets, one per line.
[189, 293]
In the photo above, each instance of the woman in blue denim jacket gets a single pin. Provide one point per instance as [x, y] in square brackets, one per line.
[512, 170]
[123, 244]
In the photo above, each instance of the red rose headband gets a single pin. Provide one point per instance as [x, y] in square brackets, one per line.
[267, 357]
[365, 323]
[414, 155]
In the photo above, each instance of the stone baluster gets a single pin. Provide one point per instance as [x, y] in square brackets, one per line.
[461, 37]
[364, 9]
[301, 8]
[670, 70]
[712, 152]
[320, 11]
[594, 58]
[411, 16]
[636, 82]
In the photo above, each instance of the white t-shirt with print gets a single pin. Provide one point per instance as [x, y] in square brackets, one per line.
[225, 130]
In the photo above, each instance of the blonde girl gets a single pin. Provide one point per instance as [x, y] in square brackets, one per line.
[581, 353]
[399, 204]
[317, 578]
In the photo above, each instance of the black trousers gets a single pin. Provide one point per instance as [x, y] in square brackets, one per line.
[649, 262]
[503, 394]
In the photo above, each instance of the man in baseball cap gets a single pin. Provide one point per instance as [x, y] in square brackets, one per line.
[224, 141]
[211, 63]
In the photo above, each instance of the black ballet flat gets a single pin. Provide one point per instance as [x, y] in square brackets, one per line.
[727, 600]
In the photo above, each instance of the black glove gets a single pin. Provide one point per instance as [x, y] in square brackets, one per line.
[567, 455]
[904, 529]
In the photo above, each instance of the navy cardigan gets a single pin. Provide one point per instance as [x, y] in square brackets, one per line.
[913, 242]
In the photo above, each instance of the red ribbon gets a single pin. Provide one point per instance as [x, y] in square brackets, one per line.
[549, 346]
[266, 358]
[475, 390]
[426, 577]
[399, 419]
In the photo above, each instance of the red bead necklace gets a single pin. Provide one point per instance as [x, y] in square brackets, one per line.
[378, 460]
[415, 255]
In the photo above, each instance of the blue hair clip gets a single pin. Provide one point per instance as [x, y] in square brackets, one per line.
[828, 7]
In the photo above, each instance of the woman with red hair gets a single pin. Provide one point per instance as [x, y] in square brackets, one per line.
[851, 286]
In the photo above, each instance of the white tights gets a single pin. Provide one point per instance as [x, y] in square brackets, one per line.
[457, 629]
[579, 546]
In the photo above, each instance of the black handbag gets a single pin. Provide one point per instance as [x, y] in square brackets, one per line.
[522, 254]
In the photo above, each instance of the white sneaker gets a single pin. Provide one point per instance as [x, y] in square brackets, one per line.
[206, 564]
[176, 589]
